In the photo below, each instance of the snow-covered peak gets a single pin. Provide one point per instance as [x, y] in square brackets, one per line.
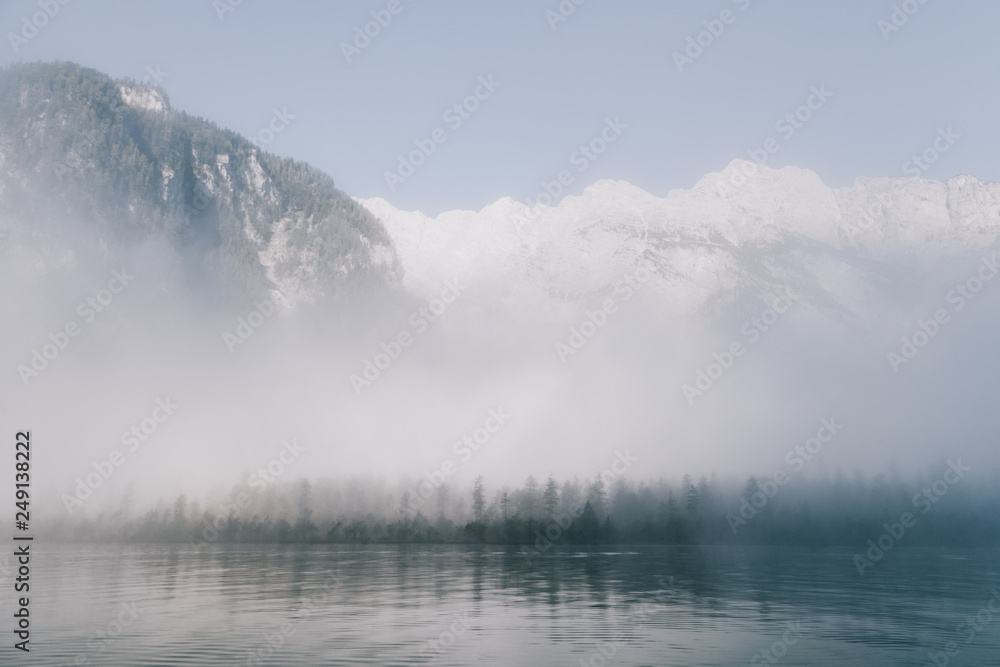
[747, 226]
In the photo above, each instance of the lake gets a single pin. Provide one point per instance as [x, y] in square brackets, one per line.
[386, 604]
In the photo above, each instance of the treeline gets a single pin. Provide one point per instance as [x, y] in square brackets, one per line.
[833, 511]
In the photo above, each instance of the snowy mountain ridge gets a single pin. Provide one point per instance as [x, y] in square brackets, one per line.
[747, 230]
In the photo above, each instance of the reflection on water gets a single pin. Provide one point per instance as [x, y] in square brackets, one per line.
[455, 605]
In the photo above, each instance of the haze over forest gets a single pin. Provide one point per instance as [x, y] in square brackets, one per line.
[184, 298]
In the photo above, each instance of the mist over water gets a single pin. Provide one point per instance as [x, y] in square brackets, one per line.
[292, 379]
[344, 334]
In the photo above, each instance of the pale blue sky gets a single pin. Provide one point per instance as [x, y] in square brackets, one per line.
[609, 59]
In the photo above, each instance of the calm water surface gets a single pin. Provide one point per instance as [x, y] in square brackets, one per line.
[383, 605]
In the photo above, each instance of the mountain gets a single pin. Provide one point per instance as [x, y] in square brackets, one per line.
[88, 163]
[738, 236]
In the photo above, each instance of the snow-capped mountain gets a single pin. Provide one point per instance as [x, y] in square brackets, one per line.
[81, 151]
[86, 156]
[747, 231]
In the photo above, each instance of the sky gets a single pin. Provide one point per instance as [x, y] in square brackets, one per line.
[557, 77]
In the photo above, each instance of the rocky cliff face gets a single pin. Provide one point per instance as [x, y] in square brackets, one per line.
[88, 164]
[85, 157]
